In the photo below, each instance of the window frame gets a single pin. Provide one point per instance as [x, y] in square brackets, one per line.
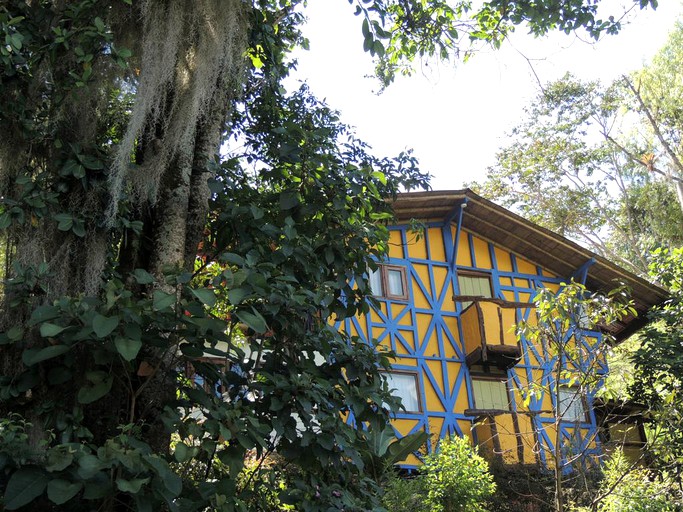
[491, 377]
[383, 270]
[577, 394]
[418, 394]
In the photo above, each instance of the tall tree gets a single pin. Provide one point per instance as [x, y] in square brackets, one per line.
[572, 373]
[659, 366]
[602, 164]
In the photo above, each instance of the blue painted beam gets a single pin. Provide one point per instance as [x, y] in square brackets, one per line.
[581, 273]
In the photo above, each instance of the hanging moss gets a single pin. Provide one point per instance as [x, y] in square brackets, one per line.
[192, 55]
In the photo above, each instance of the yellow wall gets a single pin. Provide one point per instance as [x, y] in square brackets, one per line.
[425, 332]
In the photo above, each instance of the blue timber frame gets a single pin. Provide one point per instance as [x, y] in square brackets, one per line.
[393, 329]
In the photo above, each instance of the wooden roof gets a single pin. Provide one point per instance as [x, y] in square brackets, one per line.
[535, 243]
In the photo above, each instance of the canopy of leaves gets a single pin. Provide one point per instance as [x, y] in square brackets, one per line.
[659, 364]
[579, 167]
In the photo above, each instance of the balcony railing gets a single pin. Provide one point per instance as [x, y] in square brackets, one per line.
[488, 331]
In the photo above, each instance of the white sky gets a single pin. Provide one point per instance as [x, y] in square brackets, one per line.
[455, 117]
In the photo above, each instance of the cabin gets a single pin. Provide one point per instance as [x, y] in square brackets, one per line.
[447, 300]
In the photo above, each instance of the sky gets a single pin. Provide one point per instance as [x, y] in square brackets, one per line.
[456, 115]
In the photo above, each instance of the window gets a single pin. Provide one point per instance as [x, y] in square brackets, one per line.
[404, 385]
[582, 320]
[389, 281]
[490, 394]
[474, 285]
[572, 406]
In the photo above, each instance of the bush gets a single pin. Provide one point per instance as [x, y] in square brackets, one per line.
[637, 491]
[453, 479]
[406, 495]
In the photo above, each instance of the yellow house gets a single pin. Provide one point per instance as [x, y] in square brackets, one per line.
[449, 297]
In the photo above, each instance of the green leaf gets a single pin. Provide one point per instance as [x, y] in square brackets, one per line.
[64, 220]
[163, 300]
[401, 448]
[288, 200]
[69, 169]
[33, 356]
[229, 257]
[104, 325]
[17, 40]
[254, 320]
[128, 348]
[378, 48]
[15, 333]
[191, 351]
[79, 172]
[366, 28]
[380, 176]
[99, 24]
[88, 466]
[90, 162]
[182, 452]
[43, 313]
[207, 296]
[24, 486]
[131, 486]
[58, 458]
[99, 385]
[78, 228]
[236, 295]
[142, 276]
[60, 491]
[48, 330]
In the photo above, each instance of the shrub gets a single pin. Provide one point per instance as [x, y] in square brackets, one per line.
[636, 490]
[457, 478]
[406, 495]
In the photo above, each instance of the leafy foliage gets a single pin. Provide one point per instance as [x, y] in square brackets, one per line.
[457, 479]
[602, 163]
[400, 32]
[403, 494]
[659, 364]
[572, 361]
[284, 247]
[454, 478]
[626, 488]
[576, 168]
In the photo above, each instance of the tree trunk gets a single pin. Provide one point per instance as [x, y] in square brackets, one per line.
[188, 64]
